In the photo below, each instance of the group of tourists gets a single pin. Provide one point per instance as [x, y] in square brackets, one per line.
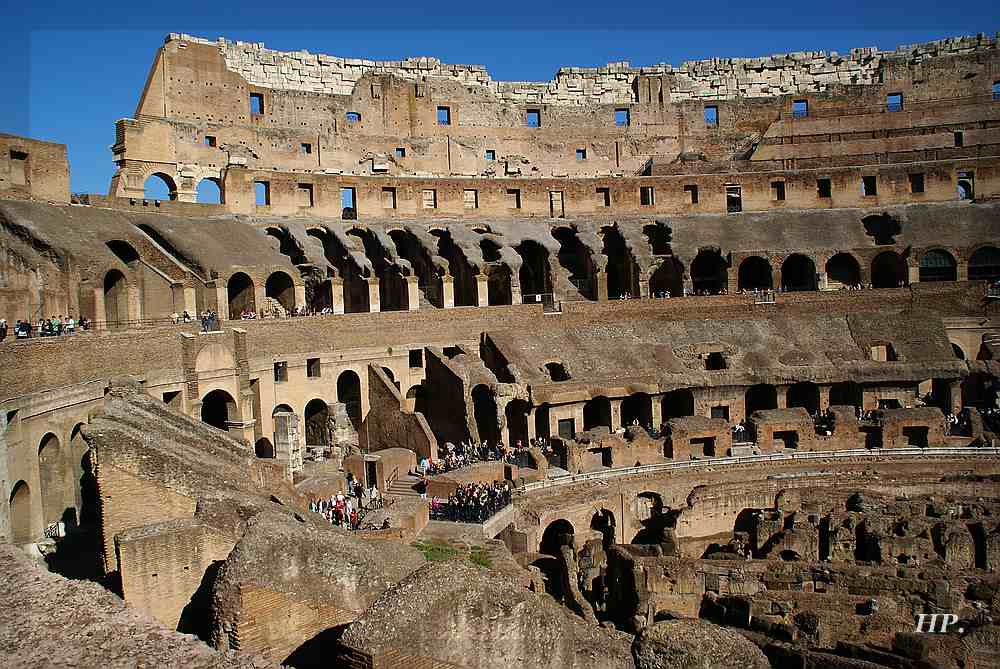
[957, 425]
[46, 327]
[209, 321]
[348, 511]
[991, 419]
[251, 315]
[452, 457]
[472, 502]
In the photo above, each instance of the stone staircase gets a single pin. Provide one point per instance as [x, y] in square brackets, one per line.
[403, 487]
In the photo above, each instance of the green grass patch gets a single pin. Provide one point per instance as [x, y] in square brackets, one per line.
[436, 550]
[479, 557]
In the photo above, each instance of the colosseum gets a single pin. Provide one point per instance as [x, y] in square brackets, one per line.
[685, 366]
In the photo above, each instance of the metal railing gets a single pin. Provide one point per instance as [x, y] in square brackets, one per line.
[870, 454]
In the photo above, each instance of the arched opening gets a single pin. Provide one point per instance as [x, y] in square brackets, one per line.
[517, 422]
[420, 258]
[604, 522]
[668, 279]
[218, 408]
[241, 293]
[965, 190]
[597, 413]
[938, 265]
[534, 273]
[578, 259]
[115, 299]
[459, 268]
[319, 294]
[356, 297]
[846, 393]
[957, 350]
[559, 533]
[123, 251]
[393, 289]
[805, 395]
[264, 449]
[677, 404]
[883, 228]
[760, 397]
[416, 398]
[709, 275]
[755, 274]
[498, 285]
[622, 270]
[889, 270]
[160, 186]
[20, 514]
[490, 249]
[984, 264]
[659, 237]
[557, 371]
[798, 272]
[349, 394]
[85, 484]
[281, 408]
[210, 191]
[484, 407]
[317, 416]
[287, 246]
[842, 270]
[637, 409]
[280, 287]
[51, 479]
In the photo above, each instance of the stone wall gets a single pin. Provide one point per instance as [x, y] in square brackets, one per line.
[389, 424]
[33, 168]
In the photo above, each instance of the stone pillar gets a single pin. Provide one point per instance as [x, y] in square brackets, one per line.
[955, 390]
[412, 293]
[515, 293]
[601, 281]
[782, 396]
[644, 279]
[259, 294]
[219, 293]
[616, 414]
[913, 273]
[531, 424]
[300, 295]
[134, 302]
[336, 294]
[962, 270]
[99, 310]
[483, 290]
[656, 411]
[822, 283]
[448, 291]
[374, 305]
[824, 398]
[287, 444]
[185, 299]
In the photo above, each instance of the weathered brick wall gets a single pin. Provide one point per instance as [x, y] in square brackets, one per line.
[389, 425]
[33, 168]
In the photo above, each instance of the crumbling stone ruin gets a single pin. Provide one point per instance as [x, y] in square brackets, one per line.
[730, 320]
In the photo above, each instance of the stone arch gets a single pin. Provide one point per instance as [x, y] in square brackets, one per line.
[558, 533]
[20, 514]
[984, 264]
[84, 483]
[557, 371]
[709, 272]
[242, 294]
[578, 259]
[459, 267]
[356, 296]
[317, 419]
[798, 273]
[281, 408]
[210, 190]
[349, 394]
[484, 407]
[957, 350]
[159, 186]
[115, 299]
[846, 393]
[677, 404]
[938, 265]
[755, 273]
[534, 275]
[889, 270]
[392, 285]
[668, 278]
[421, 259]
[517, 422]
[637, 407]
[603, 521]
[597, 412]
[760, 397]
[804, 394]
[218, 408]
[417, 396]
[622, 269]
[264, 449]
[51, 478]
[659, 237]
[843, 269]
[287, 246]
[123, 250]
[281, 287]
[498, 285]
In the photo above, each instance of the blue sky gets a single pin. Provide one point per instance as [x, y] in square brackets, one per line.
[72, 69]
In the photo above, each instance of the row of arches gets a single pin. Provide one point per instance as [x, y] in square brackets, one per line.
[161, 186]
[242, 293]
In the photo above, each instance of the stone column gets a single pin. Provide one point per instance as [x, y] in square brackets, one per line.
[601, 281]
[531, 424]
[99, 309]
[824, 398]
[413, 293]
[656, 410]
[134, 302]
[300, 295]
[962, 270]
[822, 283]
[782, 396]
[448, 291]
[616, 414]
[955, 390]
[644, 279]
[374, 305]
[483, 290]
[913, 273]
[336, 294]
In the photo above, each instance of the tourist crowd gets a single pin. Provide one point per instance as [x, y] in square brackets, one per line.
[452, 457]
[46, 327]
[348, 511]
[472, 502]
[957, 425]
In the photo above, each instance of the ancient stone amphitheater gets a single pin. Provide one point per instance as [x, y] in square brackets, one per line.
[730, 320]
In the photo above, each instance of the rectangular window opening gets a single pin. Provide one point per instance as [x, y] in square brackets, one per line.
[210, 140]
[720, 411]
[711, 116]
[824, 187]
[581, 154]
[959, 138]
[623, 118]
[305, 148]
[470, 198]
[257, 103]
[556, 209]
[996, 91]
[444, 115]
[734, 199]
[280, 372]
[352, 117]
[491, 154]
[388, 197]
[778, 191]
[646, 196]
[399, 152]
[692, 191]
[567, 428]
[917, 183]
[429, 198]
[262, 193]
[869, 186]
[18, 168]
[800, 108]
[604, 197]
[417, 358]
[513, 198]
[534, 118]
[305, 195]
[314, 369]
[348, 203]
[894, 102]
